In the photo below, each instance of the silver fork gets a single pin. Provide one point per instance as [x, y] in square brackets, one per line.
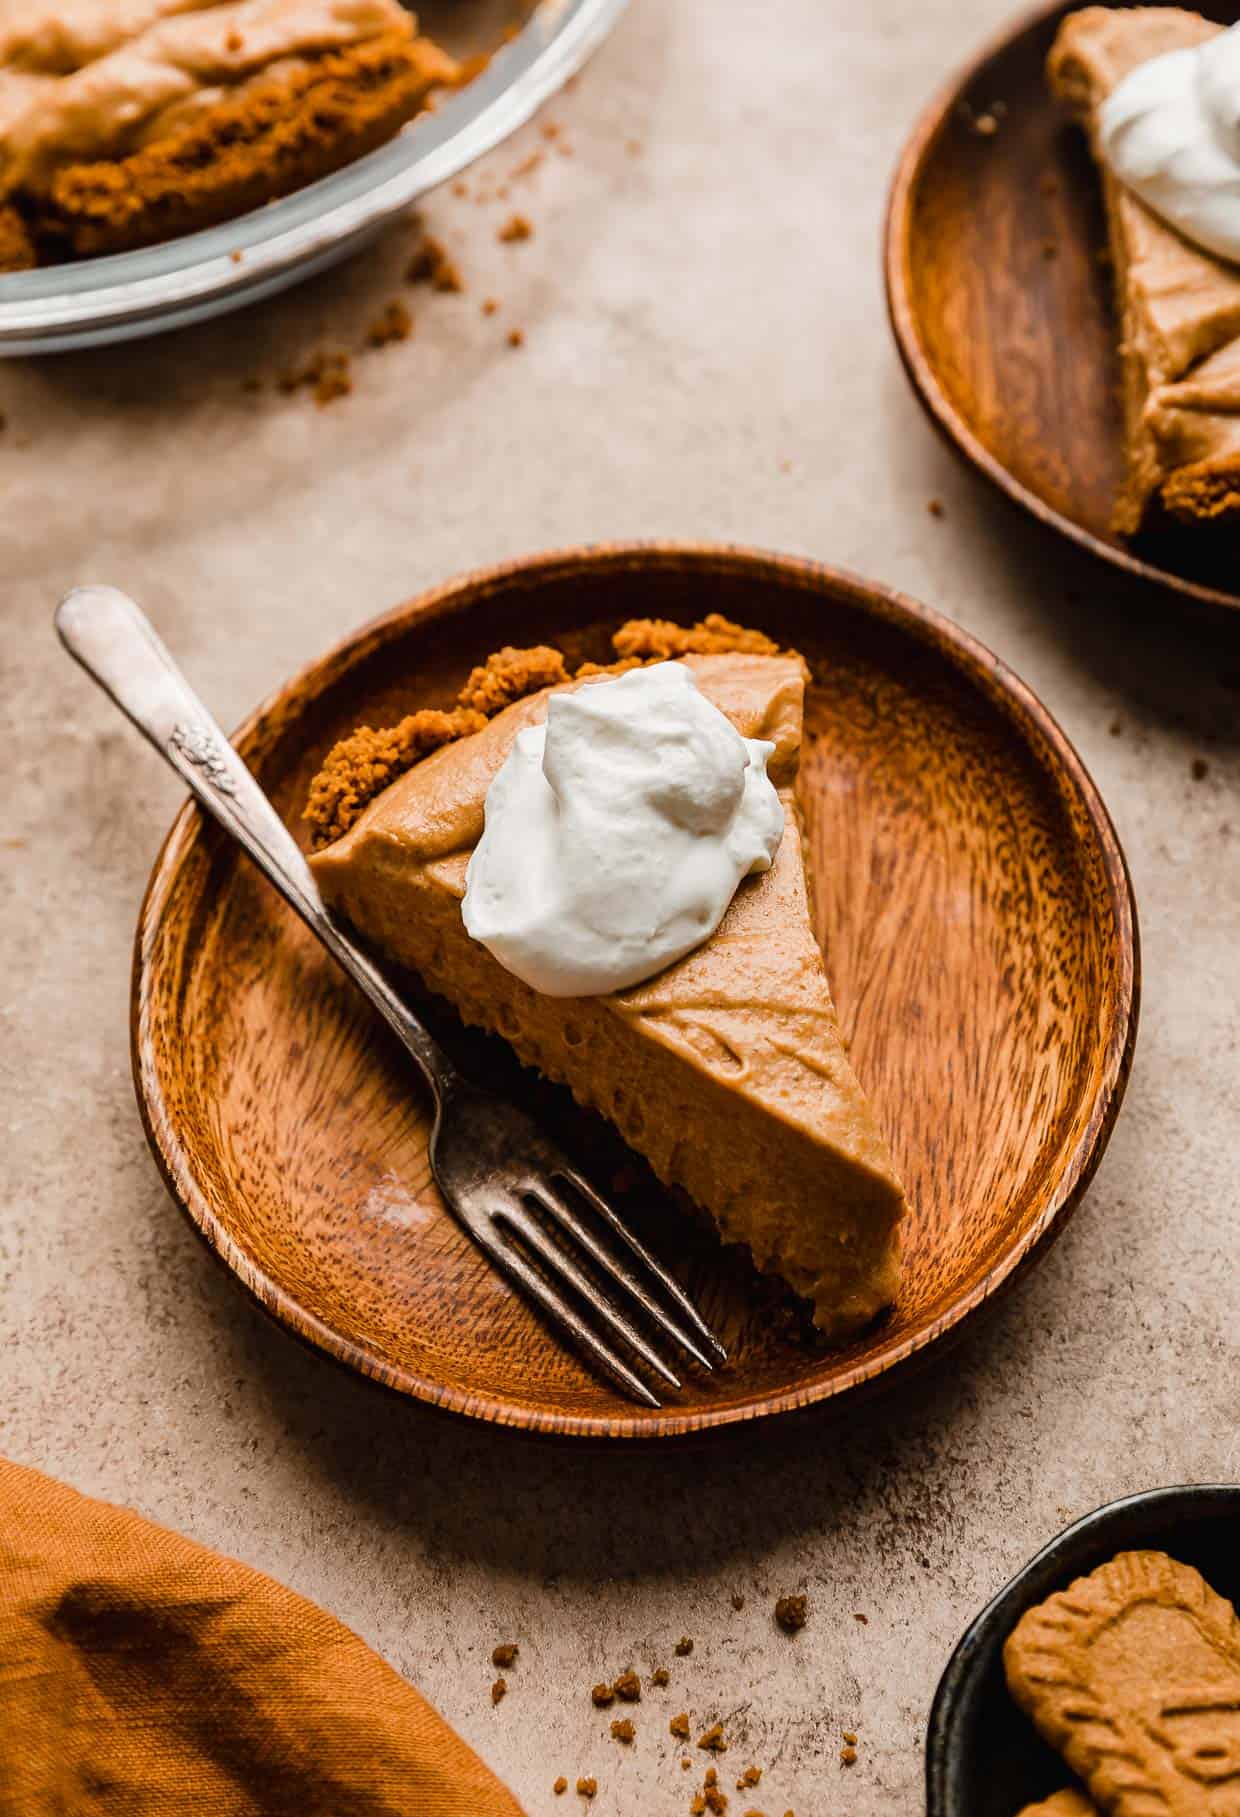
[495, 1168]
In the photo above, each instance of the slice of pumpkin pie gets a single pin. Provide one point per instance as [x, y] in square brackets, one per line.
[1178, 304]
[726, 1069]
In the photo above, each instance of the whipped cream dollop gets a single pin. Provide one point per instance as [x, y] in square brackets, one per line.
[618, 832]
[1171, 132]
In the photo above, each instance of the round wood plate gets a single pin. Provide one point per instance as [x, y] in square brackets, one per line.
[981, 939]
[1002, 309]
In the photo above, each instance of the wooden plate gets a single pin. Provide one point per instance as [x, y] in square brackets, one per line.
[1002, 310]
[981, 935]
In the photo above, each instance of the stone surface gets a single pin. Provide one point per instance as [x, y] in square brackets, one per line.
[705, 354]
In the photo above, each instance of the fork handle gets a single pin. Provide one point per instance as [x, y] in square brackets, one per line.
[117, 645]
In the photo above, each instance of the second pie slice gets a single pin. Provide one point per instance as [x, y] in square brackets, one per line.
[1178, 305]
[728, 1069]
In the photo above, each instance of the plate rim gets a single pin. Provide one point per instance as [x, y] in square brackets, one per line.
[1049, 747]
[904, 321]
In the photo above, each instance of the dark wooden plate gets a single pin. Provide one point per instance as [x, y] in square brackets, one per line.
[981, 936]
[983, 1756]
[1002, 310]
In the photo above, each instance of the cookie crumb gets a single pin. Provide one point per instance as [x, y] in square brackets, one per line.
[560, 1786]
[863, 1619]
[623, 1730]
[751, 1776]
[660, 1676]
[490, 305]
[679, 1726]
[738, 1601]
[935, 507]
[1201, 769]
[505, 1654]
[792, 1613]
[1116, 727]
[848, 1756]
[1050, 249]
[517, 227]
[683, 1647]
[587, 1788]
[516, 337]
[712, 1739]
[850, 1739]
[394, 323]
[499, 1689]
[602, 1696]
[986, 125]
[628, 1687]
[432, 264]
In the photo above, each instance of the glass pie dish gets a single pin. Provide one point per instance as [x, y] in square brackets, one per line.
[91, 302]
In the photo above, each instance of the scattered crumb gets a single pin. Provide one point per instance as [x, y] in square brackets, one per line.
[517, 227]
[712, 1739]
[526, 166]
[1116, 727]
[587, 1788]
[1050, 249]
[685, 1763]
[505, 1654]
[683, 1647]
[792, 1613]
[432, 264]
[623, 1730]
[460, 187]
[235, 256]
[394, 323]
[863, 1619]
[849, 1738]
[516, 337]
[986, 125]
[751, 1776]
[551, 129]
[633, 147]
[628, 1687]
[490, 305]
[602, 1696]
[499, 1689]
[560, 1786]
[328, 375]
[935, 507]
[712, 1777]
[738, 1601]
[660, 1676]
[234, 42]
[1201, 769]
[679, 1726]
[848, 1756]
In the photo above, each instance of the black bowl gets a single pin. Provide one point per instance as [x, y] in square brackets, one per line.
[983, 1755]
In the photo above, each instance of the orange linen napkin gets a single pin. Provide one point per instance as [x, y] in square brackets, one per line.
[141, 1674]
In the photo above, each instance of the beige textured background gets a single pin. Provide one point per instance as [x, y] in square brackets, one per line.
[706, 355]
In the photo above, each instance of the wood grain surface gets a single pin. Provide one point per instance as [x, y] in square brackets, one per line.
[980, 935]
[1002, 306]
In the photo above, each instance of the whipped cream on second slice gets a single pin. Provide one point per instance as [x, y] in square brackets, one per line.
[1171, 133]
[618, 833]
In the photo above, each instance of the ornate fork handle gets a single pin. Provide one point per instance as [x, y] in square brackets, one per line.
[117, 645]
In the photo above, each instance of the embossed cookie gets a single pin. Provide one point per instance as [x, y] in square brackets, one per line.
[1062, 1804]
[1133, 1673]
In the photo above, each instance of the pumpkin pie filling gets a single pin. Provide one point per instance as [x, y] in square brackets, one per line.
[727, 1070]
